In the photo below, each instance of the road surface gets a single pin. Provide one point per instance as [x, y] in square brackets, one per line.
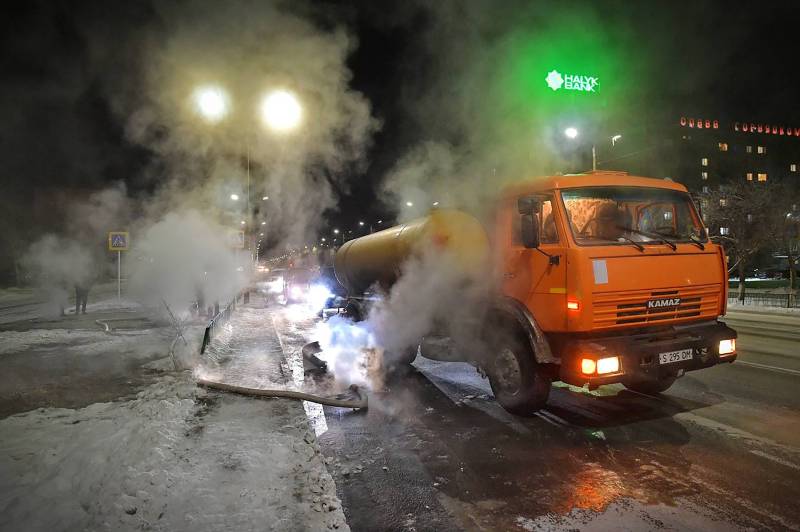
[720, 450]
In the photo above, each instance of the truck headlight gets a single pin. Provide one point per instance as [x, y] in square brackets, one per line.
[601, 366]
[607, 365]
[726, 347]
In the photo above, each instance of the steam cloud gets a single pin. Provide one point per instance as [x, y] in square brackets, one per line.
[179, 228]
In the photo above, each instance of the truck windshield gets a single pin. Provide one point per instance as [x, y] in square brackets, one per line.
[619, 215]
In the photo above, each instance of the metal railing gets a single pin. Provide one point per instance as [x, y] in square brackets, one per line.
[766, 300]
[220, 319]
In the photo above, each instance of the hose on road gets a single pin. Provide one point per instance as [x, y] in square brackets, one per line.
[358, 400]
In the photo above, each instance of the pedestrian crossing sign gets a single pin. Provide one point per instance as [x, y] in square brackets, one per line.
[118, 241]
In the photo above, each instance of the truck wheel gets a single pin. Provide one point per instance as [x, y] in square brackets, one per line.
[651, 387]
[396, 364]
[518, 383]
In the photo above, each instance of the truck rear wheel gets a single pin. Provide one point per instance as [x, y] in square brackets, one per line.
[651, 387]
[518, 382]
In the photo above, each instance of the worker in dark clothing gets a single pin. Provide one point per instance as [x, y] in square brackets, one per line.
[81, 296]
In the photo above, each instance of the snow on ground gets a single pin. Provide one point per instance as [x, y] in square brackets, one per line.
[175, 458]
[146, 342]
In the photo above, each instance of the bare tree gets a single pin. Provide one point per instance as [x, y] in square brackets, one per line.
[742, 217]
[785, 210]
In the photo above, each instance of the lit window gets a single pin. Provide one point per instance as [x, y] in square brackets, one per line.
[793, 167]
[749, 149]
[762, 177]
[749, 176]
[704, 161]
[704, 175]
[723, 146]
[723, 202]
[762, 150]
[724, 230]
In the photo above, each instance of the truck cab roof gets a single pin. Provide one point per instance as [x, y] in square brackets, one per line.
[596, 178]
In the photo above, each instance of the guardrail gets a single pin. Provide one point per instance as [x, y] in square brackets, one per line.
[767, 300]
[221, 318]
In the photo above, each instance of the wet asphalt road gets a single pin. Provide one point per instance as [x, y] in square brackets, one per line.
[720, 450]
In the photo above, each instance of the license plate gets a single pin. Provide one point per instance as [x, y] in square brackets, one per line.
[675, 356]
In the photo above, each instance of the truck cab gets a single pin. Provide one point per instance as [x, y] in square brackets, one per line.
[607, 278]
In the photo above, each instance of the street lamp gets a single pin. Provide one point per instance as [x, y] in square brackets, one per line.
[615, 138]
[435, 203]
[211, 102]
[235, 197]
[281, 111]
[409, 204]
[265, 198]
[572, 133]
[361, 224]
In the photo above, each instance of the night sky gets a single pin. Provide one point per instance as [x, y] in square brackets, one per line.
[59, 127]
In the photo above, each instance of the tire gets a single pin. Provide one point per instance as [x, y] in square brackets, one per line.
[519, 384]
[651, 387]
[399, 364]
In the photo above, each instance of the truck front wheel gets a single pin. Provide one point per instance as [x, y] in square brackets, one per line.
[651, 387]
[518, 382]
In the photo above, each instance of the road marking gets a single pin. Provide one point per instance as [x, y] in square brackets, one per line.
[549, 416]
[770, 368]
[775, 459]
[543, 417]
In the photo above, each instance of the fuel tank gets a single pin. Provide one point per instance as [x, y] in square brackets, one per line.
[378, 258]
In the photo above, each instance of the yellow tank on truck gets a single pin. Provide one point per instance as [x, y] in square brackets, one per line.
[378, 258]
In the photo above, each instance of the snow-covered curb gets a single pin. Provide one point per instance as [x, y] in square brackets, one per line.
[175, 458]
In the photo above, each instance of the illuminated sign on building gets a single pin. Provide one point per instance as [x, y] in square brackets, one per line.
[745, 127]
[699, 123]
[572, 82]
[766, 129]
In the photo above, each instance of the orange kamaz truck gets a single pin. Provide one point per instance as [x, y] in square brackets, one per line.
[600, 278]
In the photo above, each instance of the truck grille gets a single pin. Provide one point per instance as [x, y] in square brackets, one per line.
[631, 307]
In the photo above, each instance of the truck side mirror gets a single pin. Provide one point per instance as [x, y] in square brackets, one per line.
[530, 231]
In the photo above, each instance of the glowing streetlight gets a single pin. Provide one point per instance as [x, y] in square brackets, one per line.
[409, 204]
[435, 203]
[235, 197]
[242, 222]
[265, 198]
[211, 102]
[571, 132]
[615, 138]
[361, 224]
[323, 239]
[335, 231]
[263, 223]
[281, 111]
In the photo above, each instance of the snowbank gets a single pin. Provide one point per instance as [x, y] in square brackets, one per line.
[175, 458]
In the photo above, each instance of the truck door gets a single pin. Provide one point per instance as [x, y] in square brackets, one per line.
[531, 276]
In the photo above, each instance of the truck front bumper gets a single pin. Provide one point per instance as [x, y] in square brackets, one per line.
[647, 356]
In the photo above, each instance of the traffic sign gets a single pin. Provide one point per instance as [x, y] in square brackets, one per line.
[236, 239]
[118, 241]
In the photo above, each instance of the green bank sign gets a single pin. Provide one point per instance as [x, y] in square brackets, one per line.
[572, 82]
